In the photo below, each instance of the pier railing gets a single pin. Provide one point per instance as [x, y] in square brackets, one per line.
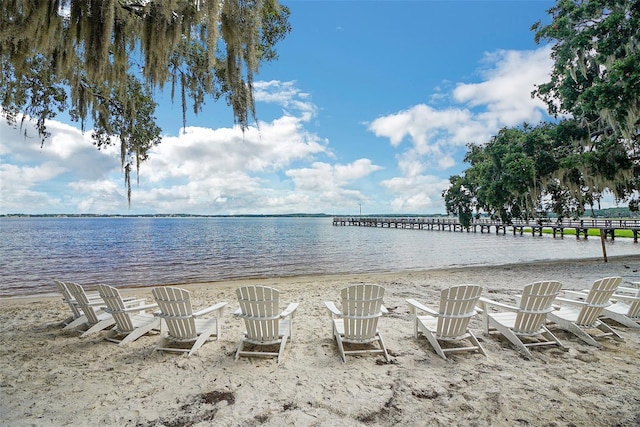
[606, 226]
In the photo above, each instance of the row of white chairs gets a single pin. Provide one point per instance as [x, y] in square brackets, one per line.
[355, 325]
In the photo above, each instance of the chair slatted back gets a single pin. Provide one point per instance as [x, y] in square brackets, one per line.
[176, 310]
[634, 308]
[536, 302]
[597, 299]
[361, 309]
[67, 298]
[115, 307]
[260, 309]
[81, 298]
[457, 306]
[632, 303]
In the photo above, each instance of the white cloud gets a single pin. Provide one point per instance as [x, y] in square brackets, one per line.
[420, 193]
[279, 166]
[287, 95]
[327, 186]
[201, 170]
[38, 177]
[478, 110]
[507, 84]
[474, 113]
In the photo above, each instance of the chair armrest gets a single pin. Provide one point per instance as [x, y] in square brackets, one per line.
[571, 301]
[413, 305]
[632, 291]
[134, 303]
[333, 309]
[95, 300]
[140, 307]
[627, 298]
[208, 310]
[486, 301]
[290, 309]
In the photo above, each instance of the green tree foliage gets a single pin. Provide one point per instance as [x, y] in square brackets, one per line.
[101, 60]
[594, 91]
[459, 200]
[525, 173]
[596, 80]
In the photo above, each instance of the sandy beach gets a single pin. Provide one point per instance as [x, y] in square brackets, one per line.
[51, 377]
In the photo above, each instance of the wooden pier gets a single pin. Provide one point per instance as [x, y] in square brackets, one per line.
[607, 227]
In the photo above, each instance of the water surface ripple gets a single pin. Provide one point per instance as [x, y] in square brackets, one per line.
[151, 251]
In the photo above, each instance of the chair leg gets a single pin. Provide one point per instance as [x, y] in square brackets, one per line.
[550, 337]
[510, 335]
[204, 336]
[574, 329]
[283, 343]
[623, 320]
[435, 344]
[340, 346]
[112, 336]
[103, 324]
[76, 322]
[240, 347]
[162, 343]
[475, 342]
[607, 330]
[485, 321]
[384, 348]
[139, 332]
[218, 327]
[577, 331]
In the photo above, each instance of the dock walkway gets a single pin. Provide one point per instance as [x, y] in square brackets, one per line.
[607, 227]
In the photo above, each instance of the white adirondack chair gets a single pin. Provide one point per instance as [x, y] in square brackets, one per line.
[625, 307]
[265, 324]
[451, 321]
[132, 321]
[578, 316]
[528, 320]
[96, 319]
[180, 324]
[77, 318]
[357, 323]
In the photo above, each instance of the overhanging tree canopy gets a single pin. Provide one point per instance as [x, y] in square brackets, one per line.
[102, 59]
[594, 91]
[596, 80]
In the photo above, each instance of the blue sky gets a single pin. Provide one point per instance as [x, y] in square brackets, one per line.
[369, 106]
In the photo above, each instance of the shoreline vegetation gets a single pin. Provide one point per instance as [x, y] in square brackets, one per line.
[607, 213]
[53, 377]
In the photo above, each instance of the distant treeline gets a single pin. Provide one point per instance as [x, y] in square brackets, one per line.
[318, 215]
[617, 212]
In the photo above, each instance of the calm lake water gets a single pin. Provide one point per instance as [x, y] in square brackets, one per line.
[151, 251]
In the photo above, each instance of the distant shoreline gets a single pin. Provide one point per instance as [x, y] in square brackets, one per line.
[294, 215]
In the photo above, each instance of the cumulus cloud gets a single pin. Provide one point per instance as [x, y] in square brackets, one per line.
[328, 186]
[200, 170]
[504, 91]
[279, 165]
[287, 95]
[419, 193]
[473, 112]
[38, 177]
